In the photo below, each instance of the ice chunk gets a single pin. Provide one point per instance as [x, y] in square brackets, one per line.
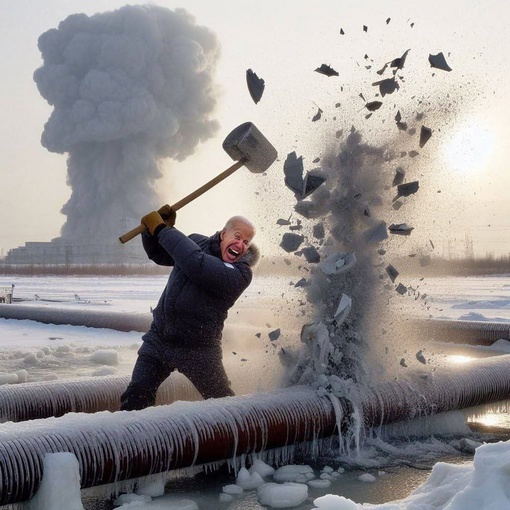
[284, 495]
[319, 484]
[232, 489]
[105, 357]
[261, 468]
[367, 477]
[344, 307]
[337, 263]
[247, 480]
[333, 502]
[225, 498]
[60, 485]
[290, 472]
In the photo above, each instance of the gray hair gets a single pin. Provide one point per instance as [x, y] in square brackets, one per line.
[232, 222]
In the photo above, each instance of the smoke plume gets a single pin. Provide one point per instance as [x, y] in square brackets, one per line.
[128, 88]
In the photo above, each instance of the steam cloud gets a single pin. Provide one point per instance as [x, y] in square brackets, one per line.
[128, 87]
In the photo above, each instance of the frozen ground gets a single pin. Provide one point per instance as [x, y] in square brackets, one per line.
[392, 471]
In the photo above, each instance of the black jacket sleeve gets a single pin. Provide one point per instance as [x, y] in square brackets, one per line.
[155, 251]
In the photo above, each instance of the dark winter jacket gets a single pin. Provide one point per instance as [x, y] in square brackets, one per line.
[201, 287]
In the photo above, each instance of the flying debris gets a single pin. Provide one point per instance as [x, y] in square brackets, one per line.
[291, 242]
[255, 85]
[425, 135]
[381, 71]
[317, 116]
[311, 255]
[326, 70]
[343, 309]
[399, 176]
[342, 31]
[439, 62]
[282, 221]
[377, 233]
[401, 125]
[318, 231]
[365, 28]
[404, 190]
[401, 289]
[400, 228]
[399, 62]
[413, 154]
[303, 283]
[274, 335]
[373, 106]
[311, 182]
[403, 362]
[420, 357]
[388, 20]
[293, 169]
[387, 86]
[392, 272]
[337, 263]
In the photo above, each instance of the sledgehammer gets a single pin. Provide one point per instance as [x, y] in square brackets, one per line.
[247, 146]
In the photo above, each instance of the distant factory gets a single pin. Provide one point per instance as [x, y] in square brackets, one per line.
[66, 252]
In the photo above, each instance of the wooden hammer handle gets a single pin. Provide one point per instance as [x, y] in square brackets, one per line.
[189, 198]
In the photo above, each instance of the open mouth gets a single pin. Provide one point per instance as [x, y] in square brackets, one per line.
[233, 253]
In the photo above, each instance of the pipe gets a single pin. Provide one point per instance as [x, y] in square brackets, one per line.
[111, 447]
[464, 332]
[469, 332]
[37, 400]
[93, 319]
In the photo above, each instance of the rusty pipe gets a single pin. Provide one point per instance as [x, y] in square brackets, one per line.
[111, 447]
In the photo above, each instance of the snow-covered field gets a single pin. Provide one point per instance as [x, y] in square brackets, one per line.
[37, 352]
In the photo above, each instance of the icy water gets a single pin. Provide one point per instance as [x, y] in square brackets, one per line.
[258, 312]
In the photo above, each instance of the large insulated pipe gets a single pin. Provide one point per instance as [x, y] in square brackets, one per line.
[91, 318]
[465, 332]
[37, 400]
[111, 447]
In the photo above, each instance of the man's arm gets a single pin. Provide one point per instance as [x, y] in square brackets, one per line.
[205, 270]
[155, 251]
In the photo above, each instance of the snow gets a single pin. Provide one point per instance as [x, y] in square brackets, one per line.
[73, 351]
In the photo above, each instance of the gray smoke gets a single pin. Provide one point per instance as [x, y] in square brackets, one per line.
[128, 88]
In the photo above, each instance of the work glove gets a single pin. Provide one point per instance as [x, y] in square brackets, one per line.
[168, 215]
[153, 222]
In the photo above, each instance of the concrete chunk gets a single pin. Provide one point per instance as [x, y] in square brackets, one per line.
[291, 242]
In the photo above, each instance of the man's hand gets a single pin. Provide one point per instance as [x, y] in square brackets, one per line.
[152, 221]
[168, 215]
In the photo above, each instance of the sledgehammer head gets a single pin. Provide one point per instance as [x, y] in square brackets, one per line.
[246, 142]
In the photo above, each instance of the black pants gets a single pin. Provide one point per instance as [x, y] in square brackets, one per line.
[202, 366]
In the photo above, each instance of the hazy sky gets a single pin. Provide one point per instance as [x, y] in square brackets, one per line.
[283, 42]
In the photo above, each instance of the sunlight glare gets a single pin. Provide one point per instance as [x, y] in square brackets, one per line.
[469, 149]
[457, 358]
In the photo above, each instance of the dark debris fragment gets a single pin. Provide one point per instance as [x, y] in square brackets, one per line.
[326, 70]
[311, 255]
[387, 86]
[317, 116]
[401, 289]
[425, 134]
[372, 106]
[404, 190]
[439, 62]
[392, 272]
[255, 85]
[399, 62]
[291, 242]
[274, 335]
[293, 169]
[399, 176]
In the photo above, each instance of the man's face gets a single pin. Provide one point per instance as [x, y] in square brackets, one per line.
[235, 242]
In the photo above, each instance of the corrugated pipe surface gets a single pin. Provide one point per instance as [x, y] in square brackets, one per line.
[111, 447]
[467, 332]
[31, 401]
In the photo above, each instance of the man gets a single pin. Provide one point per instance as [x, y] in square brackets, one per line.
[209, 274]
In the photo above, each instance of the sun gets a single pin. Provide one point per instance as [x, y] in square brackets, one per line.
[469, 149]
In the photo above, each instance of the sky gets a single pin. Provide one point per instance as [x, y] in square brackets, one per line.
[462, 169]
